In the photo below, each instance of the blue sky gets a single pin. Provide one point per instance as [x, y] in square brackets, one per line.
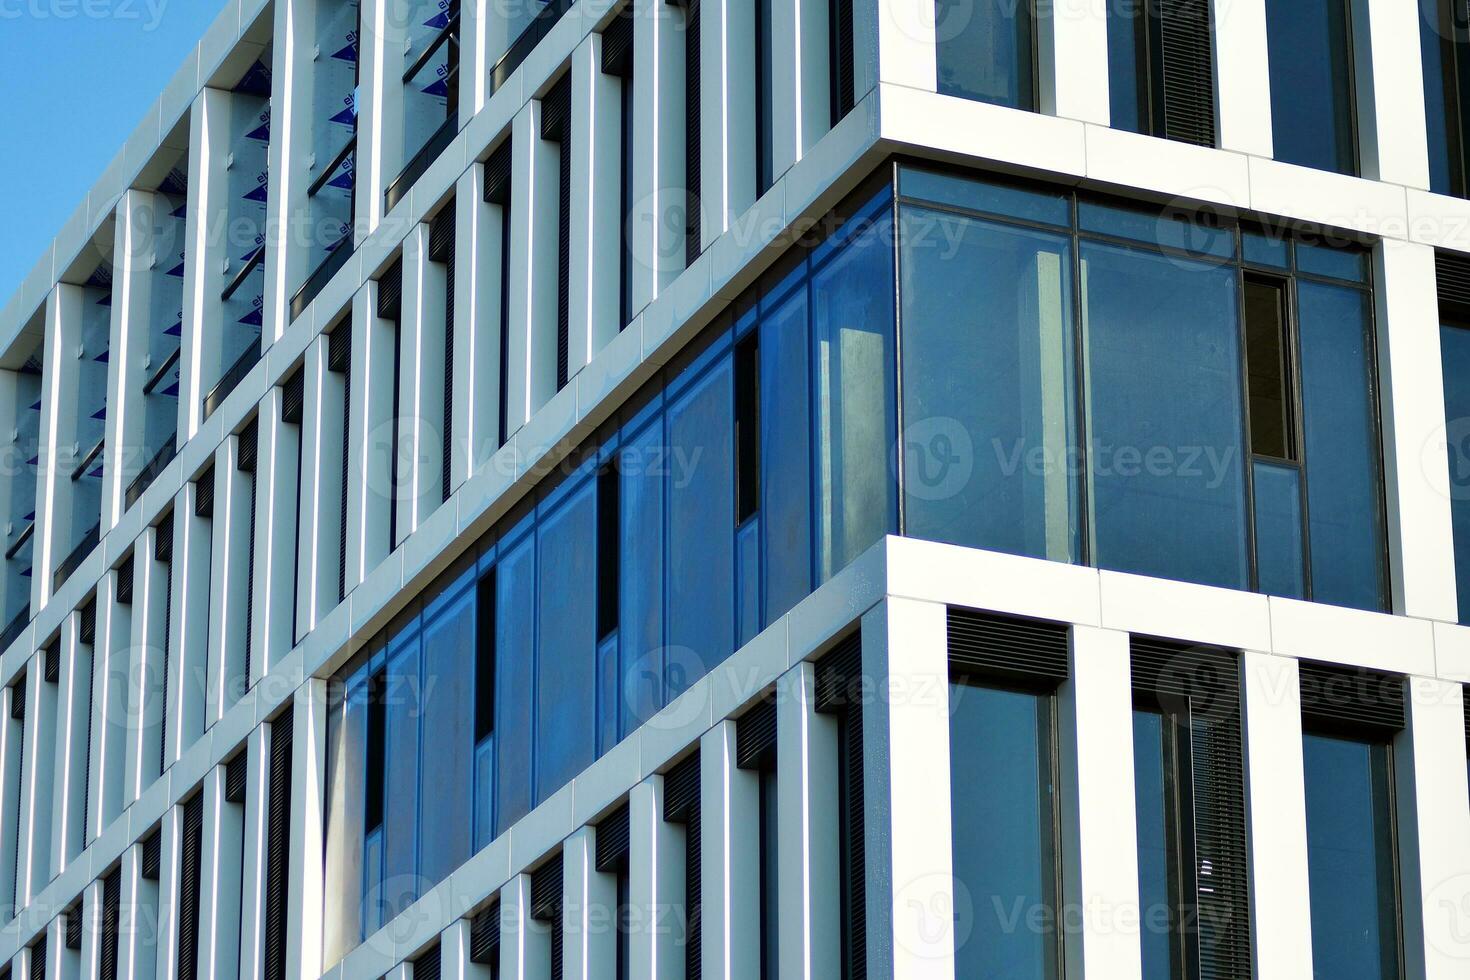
[76, 77]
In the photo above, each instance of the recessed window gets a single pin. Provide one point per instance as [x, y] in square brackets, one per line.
[1310, 46]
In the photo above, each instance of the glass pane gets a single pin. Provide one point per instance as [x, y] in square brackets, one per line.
[1350, 860]
[1342, 453]
[566, 656]
[786, 455]
[1437, 55]
[1166, 414]
[449, 719]
[1170, 229]
[1455, 352]
[1004, 838]
[989, 404]
[1267, 371]
[852, 330]
[1127, 69]
[1279, 562]
[431, 94]
[1348, 263]
[1155, 856]
[1271, 250]
[404, 709]
[641, 461]
[985, 51]
[515, 645]
[701, 527]
[346, 761]
[1048, 207]
[1310, 51]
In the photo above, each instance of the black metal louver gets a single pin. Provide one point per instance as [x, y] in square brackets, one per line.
[293, 398]
[556, 127]
[497, 175]
[108, 926]
[1465, 697]
[278, 846]
[125, 581]
[247, 448]
[1187, 63]
[426, 966]
[51, 662]
[613, 841]
[693, 243]
[339, 359]
[485, 937]
[1351, 699]
[73, 917]
[38, 959]
[1199, 687]
[247, 452]
[546, 906]
[87, 628]
[150, 858]
[204, 494]
[18, 699]
[617, 45]
[163, 552]
[441, 250]
[390, 292]
[681, 805]
[163, 540]
[1025, 650]
[1452, 282]
[755, 735]
[840, 41]
[839, 692]
[191, 856]
[236, 772]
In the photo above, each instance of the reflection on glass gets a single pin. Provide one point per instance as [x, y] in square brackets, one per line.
[1158, 845]
[1004, 826]
[986, 51]
[1455, 353]
[1310, 48]
[1279, 561]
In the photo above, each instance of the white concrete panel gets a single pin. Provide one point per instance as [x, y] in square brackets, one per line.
[731, 866]
[1072, 56]
[1391, 93]
[589, 912]
[1242, 76]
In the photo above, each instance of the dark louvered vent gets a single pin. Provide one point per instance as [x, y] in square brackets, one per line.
[339, 359]
[1200, 687]
[390, 292]
[236, 771]
[293, 398]
[755, 736]
[485, 937]
[191, 856]
[1349, 699]
[1188, 71]
[247, 448]
[839, 26]
[692, 176]
[74, 926]
[426, 966]
[1452, 276]
[204, 494]
[87, 629]
[278, 847]
[546, 906]
[497, 175]
[125, 581]
[613, 841]
[18, 699]
[681, 805]
[163, 540]
[151, 855]
[556, 126]
[441, 250]
[163, 552]
[108, 926]
[617, 45]
[1465, 697]
[1023, 650]
[247, 452]
[51, 662]
[839, 691]
[38, 959]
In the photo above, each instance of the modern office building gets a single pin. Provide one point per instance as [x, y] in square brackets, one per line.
[817, 489]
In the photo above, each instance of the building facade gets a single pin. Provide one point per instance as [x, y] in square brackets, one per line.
[821, 489]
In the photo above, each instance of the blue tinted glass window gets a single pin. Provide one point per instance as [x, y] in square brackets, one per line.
[989, 407]
[515, 646]
[1437, 51]
[1128, 93]
[1342, 456]
[1271, 250]
[1029, 204]
[1335, 263]
[1182, 230]
[346, 766]
[448, 720]
[786, 454]
[643, 464]
[402, 696]
[1003, 822]
[852, 334]
[1165, 403]
[986, 51]
[1152, 784]
[1310, 49]
[701, 527]
[1279, 559]
[1455, 352]
[566, 656]
[1350, 860]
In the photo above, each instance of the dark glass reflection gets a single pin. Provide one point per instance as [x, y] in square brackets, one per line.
[1310, 48]
[987, 51]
